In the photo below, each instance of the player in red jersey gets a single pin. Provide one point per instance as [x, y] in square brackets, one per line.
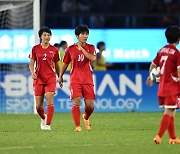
[168, 59]
[45, 59]
[81, 55]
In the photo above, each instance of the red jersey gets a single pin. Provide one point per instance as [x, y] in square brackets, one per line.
[81, 71]
[45, 60]
[168, 58]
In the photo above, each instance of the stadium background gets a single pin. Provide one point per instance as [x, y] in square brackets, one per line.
[119, 89]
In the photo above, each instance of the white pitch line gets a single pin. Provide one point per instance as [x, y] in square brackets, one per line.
[33, 147]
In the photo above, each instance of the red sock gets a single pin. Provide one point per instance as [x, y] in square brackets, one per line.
[164, 125]
[76, 114]
[50, 113]
[171, 128]
[40, 111]
[88, 112]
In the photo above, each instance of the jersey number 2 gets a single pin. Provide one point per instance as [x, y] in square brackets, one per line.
[44, 56]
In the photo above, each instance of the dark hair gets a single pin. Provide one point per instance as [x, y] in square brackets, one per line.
[44, 29]
[172, 34]
[81, 29]
[62, 43]
[99, 44]
[56, 45]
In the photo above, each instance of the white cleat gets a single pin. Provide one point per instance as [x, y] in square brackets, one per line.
[43, 122]
[46, 127]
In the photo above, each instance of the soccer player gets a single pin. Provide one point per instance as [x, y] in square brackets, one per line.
[99, 63]
[81, 55]
[45, 59]
[168, 59]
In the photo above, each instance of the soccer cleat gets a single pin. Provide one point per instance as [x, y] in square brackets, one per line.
[78, 129]
[174, 141]
[86, 123]
[157, 139]
[46, 127]
[43, 122]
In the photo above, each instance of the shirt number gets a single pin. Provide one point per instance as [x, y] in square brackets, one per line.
[163, 59]
[44, 56]
[80, 57]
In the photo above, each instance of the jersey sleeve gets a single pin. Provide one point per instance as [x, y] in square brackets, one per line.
[32, 55]
[67, 58]
[178, 59]
[92, 50]
[156, 59]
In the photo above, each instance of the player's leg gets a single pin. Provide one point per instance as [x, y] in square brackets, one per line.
[39, 106]
[89, 108]
[89, 96]
[75, 95]
[171, 128]
[76, 113]
[164, 124]
[50, 89]
[172, 102]
[39, 96]
[50, 107]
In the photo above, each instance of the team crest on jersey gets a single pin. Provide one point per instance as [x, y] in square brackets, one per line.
[51, 51]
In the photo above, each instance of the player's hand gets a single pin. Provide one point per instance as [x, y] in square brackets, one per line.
[34, 76]
[61, 82]
[79, 47]
[149, 82]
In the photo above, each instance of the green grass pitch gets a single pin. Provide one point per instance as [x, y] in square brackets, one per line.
[112, 133]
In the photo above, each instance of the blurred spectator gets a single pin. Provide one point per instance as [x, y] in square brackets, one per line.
[56, 45]
[99, 8]
[171, 7]
[62, 47]
[69, 20]
[69, 6]
[160, 13]
[84, 6]
[154, 8]
[100, 63]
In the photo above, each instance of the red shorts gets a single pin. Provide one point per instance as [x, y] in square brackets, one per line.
[169, 101]
[79, 90]
[41, 89]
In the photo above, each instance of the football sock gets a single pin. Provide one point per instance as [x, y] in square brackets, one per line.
[40, 111]
[50, 113]
[164, 125]
[76, 114]
[88, 112]
[171, 128]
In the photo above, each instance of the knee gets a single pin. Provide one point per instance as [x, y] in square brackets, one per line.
[90, 105]
[76, 101]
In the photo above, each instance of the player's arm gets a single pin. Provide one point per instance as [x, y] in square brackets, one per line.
[63, 69]
[178, 66]
[98, 62]
[57, 67]
[149, 82]
[87, 54]
[178, 71]
[152, 66]
[31, 68]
